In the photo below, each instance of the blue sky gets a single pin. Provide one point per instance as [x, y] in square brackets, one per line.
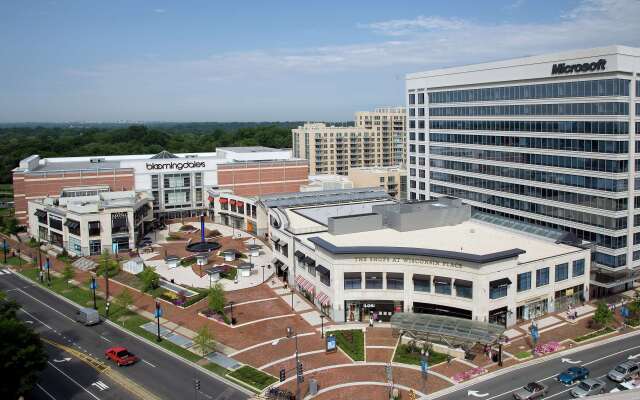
[136, 60]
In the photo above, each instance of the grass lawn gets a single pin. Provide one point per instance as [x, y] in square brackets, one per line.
[523, 354]
[404, 356]
[253, 377]
[6, 187]
[15, 261]
[633, 322]
[592, 335]
[351, 342]
[216, 369]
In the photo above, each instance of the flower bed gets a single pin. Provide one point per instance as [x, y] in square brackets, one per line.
[469, 374]
[546, 348]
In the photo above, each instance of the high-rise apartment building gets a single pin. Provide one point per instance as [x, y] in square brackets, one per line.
[376, 140]
[549, 140]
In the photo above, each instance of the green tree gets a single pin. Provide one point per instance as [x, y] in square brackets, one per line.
[150, 279]
[217, 298]
[68, 272]
[22, 356]
[603, 315]
[107, 265]
[124, 300]
[205, 340]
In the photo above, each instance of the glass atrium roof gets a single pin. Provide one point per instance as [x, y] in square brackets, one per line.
[450, 327]
[555, 234]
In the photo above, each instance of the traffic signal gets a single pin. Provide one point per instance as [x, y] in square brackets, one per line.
[283, 375]
[197, 384]
[299, 369]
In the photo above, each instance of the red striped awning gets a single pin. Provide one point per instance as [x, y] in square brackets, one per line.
[239, 203]
[305, 284]
[210, 199]
[323, 298]
[232, 202]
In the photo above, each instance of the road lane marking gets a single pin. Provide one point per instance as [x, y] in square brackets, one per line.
[32, 316]
[147, 362]
[45, 392]
[100, 385]
[105, 338]
[74, 381]
[611, 355]
[46, 305]
[566, 390]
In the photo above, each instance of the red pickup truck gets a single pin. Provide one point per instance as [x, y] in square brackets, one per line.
[121, 356]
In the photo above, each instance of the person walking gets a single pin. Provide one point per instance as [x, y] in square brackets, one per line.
[371, 320]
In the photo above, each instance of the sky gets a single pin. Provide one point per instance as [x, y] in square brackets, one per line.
[258, 60]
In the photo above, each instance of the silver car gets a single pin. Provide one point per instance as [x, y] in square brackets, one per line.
[531, 391]
[588, 387]
[623, 371]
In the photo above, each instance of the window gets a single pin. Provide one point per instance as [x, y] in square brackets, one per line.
[373, 280]
[578, 268]
[442, 285]
[421, 283]
[542, 277]
[499, 288]
[154, 181]
[420, 98]
[198, 176]
[74, 245]
[562, 272]
[95, 247]
[464, 288]
[94, 228]
[55, 223]
[524, 281]
[395, 281]
[352, 280]
[412, 98]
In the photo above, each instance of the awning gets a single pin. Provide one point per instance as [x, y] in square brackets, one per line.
[232, 202]
[305, 284]
[210, 199]
[309, 261]
[40, 213]
[283, 267]
[322, 269]
[463, 283]
[323, 299]
[300, 255]
[71, 224]
[223, 200]
[275, 239]
[500, 282]
[442, 280]
[239, 204]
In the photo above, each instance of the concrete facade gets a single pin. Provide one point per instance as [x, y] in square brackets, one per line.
[392, 179]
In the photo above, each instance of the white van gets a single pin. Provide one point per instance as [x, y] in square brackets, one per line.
[87, 316]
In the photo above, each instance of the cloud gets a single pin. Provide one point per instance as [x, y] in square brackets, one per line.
[160, 11]
[515, 5]
[399, 27]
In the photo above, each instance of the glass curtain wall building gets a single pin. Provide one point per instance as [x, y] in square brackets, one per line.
[549, 140]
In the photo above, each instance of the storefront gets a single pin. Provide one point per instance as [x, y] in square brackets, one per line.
[361, 310]
[437, 309]
[569, 296]
[532, 309]
[499, 316]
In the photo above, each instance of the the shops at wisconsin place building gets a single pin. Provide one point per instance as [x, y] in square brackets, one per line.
[177, 183]
[548, 140]
[357, 254]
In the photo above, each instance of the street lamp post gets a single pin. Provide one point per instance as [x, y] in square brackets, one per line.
[19, 258]
[4, 249]
[158, 314]
[231, 306]
[263, 273]
[292, 300]
[322, 317]
[291, 332]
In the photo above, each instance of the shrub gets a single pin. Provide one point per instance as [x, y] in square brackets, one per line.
[603, 315]
[149, 278]
[217, 298]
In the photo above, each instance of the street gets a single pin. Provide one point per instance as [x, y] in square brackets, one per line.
[599, 360]
[158, 372]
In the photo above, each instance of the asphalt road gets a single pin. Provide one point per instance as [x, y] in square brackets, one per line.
[158, 372]
[599, 360]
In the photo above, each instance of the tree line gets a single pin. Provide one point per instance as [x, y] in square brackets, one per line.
[18, 142]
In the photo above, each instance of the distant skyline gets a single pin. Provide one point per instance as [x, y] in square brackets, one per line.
[73, 60]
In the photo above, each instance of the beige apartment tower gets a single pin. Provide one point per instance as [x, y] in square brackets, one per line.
[376, 140]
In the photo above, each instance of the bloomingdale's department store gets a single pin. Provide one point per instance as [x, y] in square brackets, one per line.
[356, 266]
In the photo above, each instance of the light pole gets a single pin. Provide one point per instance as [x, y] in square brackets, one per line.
[231, 306]
[292, 300]
[158, 314]
[322, 317]
[4, 249]
[263, 273]
[299, 372]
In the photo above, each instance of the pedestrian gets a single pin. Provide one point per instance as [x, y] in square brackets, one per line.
[448, 359]
[371, 320]
[575, 314]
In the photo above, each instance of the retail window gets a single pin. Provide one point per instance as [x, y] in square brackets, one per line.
[542, 277]
[421, 283]
[352, 280]
[395, 281]
[499, 288]
[562, 272]
[578, 268]
[464, 288]
[524, 281]
[442, 285]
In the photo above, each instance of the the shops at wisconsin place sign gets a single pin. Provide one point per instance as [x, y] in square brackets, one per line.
[563, 68]
[175, 165]
[408, 260]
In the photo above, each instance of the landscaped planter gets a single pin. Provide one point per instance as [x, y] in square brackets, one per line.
[469, 374]
[213, 316]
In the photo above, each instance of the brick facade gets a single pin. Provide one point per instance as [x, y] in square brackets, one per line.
[254, 179]
[27, 186]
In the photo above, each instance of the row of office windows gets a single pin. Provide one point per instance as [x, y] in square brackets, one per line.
[421, 283]
[524, 280]
[589, 127]
[540, 209]
[608, 108]
[588, 182]
[588, 88]
[590, 146]
[610, 242]
[579, 199]
[587, 164]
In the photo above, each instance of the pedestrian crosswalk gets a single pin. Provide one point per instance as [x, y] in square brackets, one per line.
[5, 272]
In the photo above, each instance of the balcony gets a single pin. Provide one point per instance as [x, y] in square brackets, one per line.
[612, 279]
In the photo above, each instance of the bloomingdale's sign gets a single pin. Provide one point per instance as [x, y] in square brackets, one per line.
[176, 165]
[584, 67]
[408, 260]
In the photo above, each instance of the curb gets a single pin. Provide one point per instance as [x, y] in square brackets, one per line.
[529, 363]
[140, 338]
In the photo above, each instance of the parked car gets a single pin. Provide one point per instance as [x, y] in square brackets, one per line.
[588, 387]
[573, 375]
[530, 391]
[121, 356]
[87, 316]
[623, 371]
[628, 385]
